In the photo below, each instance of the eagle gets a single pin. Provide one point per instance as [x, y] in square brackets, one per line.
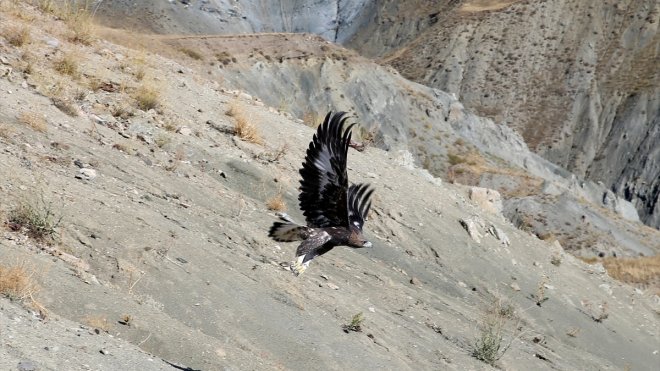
[334, 211]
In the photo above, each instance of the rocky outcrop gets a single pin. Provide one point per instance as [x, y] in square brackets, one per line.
[578, 79]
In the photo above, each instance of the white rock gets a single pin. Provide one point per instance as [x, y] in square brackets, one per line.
[86, 174]
[184, 130]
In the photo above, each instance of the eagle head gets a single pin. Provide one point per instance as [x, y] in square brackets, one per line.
[356, 239]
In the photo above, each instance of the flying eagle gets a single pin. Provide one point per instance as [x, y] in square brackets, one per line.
[335, 213]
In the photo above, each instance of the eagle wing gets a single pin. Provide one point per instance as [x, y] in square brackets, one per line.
[324, 183]
[359, 203]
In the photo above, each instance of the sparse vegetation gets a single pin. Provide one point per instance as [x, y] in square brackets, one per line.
[573, 332]
[123, 147]
[539, 297]
[122, 111]
[600, 314]
[18, 36]
[98, 322]
[147, 97]
[355, 325]
[17, 283]
[5, 131]
[643, 270]
[162, 139]
[192, 53]
[33, 120]
[67, 65]
[35, 215]
[489, 346]
[311, 119]
[276, 203]
[65, 106]
[245, 129]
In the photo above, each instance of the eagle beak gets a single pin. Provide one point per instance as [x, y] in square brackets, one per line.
[367, 244]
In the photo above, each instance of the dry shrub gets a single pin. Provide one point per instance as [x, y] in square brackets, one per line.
[98, 322]
[147, 97]
[33, 120]
[644, 270]
[18, 36]
[312, 119]
[36, 215]
[191, 53]
[276, 203]
[489, 347]
[67, 65]
[65, 106]
[17, 283]
[6, 131]
[162, 140]
[243, 127]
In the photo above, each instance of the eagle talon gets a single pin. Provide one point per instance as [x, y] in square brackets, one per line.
[298, 267]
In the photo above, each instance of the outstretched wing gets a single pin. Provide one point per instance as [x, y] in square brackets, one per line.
[324, 183]
[359, 203]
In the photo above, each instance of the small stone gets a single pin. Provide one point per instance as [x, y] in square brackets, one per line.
[24, 84]
[515, 287]
[184, 130]
[26, 366]
[104, 352]
[462, 284]
[332, 286]
[489, 200]
[414, 281]
[86, 174]
[372, 309]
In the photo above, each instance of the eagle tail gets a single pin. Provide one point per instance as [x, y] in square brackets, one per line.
[287, 231]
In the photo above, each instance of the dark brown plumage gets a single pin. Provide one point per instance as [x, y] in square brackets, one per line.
[335, 213]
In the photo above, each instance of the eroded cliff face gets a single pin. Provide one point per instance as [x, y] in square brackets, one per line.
[578, 79]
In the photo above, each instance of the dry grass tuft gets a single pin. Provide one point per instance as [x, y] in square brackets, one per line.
[276, 203]
[17, 283]
[192, 53]
[489, 347]
[67, 65]
[98, 322]
[18, 36]
[6, 132]
[242, 126]
[65, 106]
[147, 97]
[33, 120]
[162, 139]
[312, 119]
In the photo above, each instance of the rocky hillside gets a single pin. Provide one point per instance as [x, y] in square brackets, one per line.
[135, 216]
[578, 80]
